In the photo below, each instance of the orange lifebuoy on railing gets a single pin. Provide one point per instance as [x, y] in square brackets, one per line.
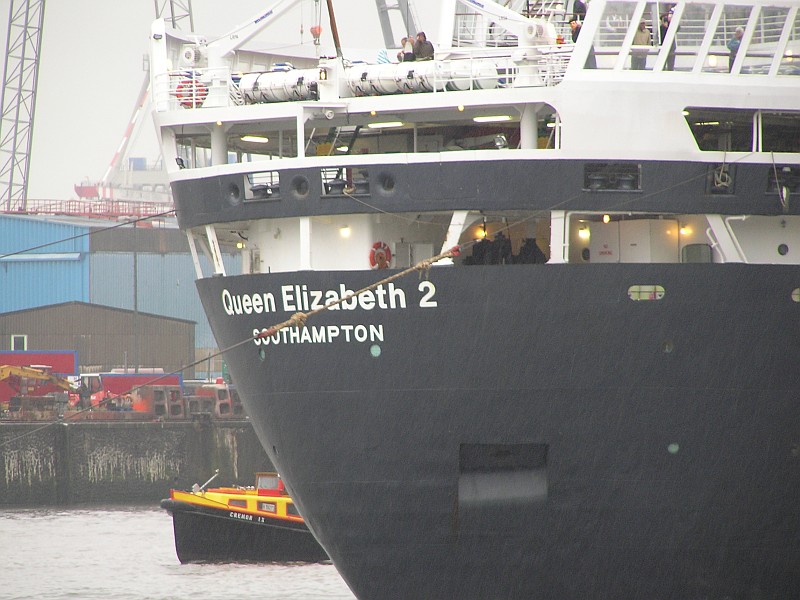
[191, 93]
[380, 256]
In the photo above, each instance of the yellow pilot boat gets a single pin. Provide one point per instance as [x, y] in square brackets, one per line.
[240, 524]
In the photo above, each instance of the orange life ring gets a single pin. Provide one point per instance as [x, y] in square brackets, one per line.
[380, 256]
[191, 93]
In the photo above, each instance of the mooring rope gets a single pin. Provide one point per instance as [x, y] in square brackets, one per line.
[299, 319]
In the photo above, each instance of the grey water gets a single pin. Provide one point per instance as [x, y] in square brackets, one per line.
[116, 553]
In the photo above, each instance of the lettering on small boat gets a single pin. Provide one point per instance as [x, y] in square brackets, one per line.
[242, 516]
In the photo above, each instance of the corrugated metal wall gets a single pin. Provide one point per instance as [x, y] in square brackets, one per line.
[105, 338]
[45, 274]
[165, 284]
[91, 268]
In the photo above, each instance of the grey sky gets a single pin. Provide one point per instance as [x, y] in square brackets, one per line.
[91, 71]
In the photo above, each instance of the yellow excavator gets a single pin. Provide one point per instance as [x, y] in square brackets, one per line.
[18, 382]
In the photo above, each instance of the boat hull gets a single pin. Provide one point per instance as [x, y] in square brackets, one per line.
[204, 534]
[530, 431]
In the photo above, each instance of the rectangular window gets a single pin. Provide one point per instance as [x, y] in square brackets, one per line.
[344, 181]
[617, 177]
[19, 343]
[266, 507]
[264, 185]
[238, 503]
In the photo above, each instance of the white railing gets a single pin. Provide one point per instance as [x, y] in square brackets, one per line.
[206, 88]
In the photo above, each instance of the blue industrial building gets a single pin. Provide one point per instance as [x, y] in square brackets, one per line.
[54, 260]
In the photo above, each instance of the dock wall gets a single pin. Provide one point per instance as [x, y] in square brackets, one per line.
[89, 463]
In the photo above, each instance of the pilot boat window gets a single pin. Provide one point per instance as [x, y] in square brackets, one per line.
[266, 507]
[237, 503]
[291, 509]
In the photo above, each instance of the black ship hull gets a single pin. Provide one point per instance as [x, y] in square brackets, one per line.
[531, 431]
[204, 534]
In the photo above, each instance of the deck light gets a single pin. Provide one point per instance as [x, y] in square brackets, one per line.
[385, 124]
[584, 233]
[345, 231]
[491, 118]
[606, 218]
[256, 139]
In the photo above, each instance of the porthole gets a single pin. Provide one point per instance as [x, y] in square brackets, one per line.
[796, 294]
[386, 183]
[233, 194]
[783, 249]
[667, 347]
[646, 292]
[300, 186]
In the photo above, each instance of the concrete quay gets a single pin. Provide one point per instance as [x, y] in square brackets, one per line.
[63, 463]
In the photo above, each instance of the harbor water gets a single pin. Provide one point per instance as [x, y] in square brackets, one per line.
[128, 553]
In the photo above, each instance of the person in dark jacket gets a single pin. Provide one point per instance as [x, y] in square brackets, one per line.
[423, 49]
[575, 24]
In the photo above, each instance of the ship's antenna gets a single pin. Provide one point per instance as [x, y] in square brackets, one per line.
[334, 30]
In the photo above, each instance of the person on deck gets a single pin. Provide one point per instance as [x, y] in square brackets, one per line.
[641, 43]
[423, 49]
[406, 53]
[733, 46]
[575, 24]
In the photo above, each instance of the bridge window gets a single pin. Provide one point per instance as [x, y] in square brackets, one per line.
[731, 130]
